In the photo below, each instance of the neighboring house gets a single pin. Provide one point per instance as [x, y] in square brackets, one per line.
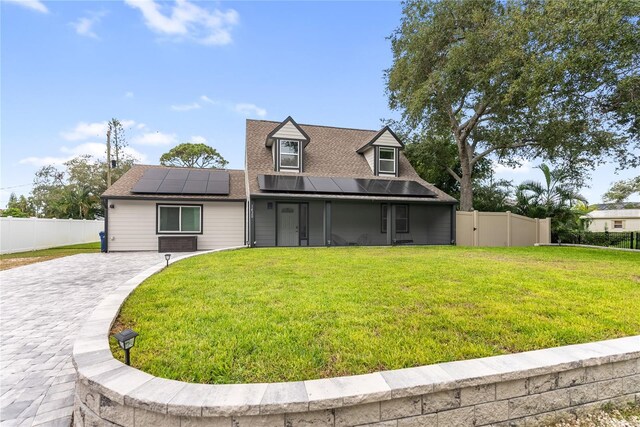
[615, 220]
[304, 185]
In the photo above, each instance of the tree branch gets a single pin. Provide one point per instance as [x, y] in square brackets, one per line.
[454, 174]
[466, 128]
[488, 151]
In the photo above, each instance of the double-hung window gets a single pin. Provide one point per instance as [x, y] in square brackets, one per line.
[289, 154]
[179, 219]
[387, 160]
[402, 218]
[618, 224]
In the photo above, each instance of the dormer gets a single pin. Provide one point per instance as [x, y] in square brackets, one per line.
[383, 153]
[287, 142]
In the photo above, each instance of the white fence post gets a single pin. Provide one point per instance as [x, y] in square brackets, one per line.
[28, 234]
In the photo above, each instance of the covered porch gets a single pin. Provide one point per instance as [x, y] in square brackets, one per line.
[335, 222]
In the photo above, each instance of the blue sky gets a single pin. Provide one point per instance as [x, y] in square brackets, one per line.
[190, 71]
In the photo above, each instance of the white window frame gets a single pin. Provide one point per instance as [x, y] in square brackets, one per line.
[280, 141]
[159, 231]
[380, 160]
[621, 224]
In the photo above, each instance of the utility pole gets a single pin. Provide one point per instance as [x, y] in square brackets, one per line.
[109, 157]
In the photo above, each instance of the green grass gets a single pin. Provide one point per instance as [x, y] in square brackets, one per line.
[279, 314]
[23, 258]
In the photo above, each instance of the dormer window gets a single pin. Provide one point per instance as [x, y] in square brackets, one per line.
[289, 154]
[387, 160]
[287, 142]
[382, 152]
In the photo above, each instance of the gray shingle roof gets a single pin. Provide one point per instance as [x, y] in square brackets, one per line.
[122, 187]
[331, 152]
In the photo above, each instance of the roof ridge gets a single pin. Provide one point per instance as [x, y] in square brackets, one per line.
[318, 126]
[185, 167]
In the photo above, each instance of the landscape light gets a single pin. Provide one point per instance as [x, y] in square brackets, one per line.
[126, 340]
[167, 257]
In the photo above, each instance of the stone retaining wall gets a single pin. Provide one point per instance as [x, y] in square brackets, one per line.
[528, 388]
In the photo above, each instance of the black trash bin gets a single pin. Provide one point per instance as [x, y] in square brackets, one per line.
[103, 242]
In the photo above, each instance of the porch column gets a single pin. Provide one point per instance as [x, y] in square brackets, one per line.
[327, 223]
[391, 215]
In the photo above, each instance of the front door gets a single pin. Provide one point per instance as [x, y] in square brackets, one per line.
[288, 224]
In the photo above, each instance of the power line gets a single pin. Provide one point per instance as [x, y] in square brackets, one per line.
[15, 186]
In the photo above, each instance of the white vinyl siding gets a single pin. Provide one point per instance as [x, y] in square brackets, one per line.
[288, 131]
[132, 225]
[387, 140]
[370, 156]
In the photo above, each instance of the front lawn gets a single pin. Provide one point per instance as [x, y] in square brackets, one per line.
[24, 258]
[266, 315]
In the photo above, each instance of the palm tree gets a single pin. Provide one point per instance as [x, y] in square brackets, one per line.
[554, 198]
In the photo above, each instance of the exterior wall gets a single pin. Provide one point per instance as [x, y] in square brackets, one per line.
[606, 224]
[132, 225]
[288, 131]
[358, 223]
[369, 155]
[500, 229]
[387, 140]
[29, 234]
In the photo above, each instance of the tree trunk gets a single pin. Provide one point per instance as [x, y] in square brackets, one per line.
[466, 182]
[466, 192]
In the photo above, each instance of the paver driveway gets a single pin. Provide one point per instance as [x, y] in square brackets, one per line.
[41, 307]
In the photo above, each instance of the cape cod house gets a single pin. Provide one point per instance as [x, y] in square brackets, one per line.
[304, 185]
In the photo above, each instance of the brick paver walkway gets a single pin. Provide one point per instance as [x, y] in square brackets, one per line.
[41, 307]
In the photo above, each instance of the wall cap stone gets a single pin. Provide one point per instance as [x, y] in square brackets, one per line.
[97, 368]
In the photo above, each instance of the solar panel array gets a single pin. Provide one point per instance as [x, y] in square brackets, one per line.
[316, 184]
[183, 181]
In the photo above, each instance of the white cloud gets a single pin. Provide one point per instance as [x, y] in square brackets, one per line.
[250, 110]
[187, 21]
[84, 25]
[206, 99]
[94, 149]
[36, 5]
[128, 94]
[155, 138]
[186, 107]
[197, 139]
[525, 167]
[85, 131]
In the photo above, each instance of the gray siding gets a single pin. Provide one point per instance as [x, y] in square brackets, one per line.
[265, 223]
[316, 223]
[359, 223]
[438, 221]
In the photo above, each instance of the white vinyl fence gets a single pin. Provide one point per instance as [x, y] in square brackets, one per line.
[500, 229]
[28, 234]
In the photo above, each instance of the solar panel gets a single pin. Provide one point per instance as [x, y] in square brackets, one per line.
[199, 175]
[177, 174]
[324, 185]
[147, 186]
[340, 185]
[217, 187]
[183, 181]
[195, 187]
[159, 173]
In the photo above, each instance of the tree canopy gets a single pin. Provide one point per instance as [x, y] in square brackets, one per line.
[193, 156]
[518, 80]
[622, 190]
